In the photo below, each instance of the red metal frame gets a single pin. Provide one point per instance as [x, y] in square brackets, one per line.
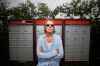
[77, 22]
[56, 22]
[20, 22]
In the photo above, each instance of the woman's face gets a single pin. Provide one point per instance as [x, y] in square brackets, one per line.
[49, 26]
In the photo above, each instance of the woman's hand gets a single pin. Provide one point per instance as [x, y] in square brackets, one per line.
[57, 50]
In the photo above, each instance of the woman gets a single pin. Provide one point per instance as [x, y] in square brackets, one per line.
[49, 47]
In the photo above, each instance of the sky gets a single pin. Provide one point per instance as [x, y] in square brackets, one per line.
[50, 3]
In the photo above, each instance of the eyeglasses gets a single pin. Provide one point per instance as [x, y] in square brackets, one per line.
[49, 25]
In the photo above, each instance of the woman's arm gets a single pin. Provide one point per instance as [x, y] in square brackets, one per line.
[47, 54]
[42, 54]
[60, 50]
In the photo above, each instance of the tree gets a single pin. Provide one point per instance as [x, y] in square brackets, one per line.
[54, 12]
[23, 11]
[57, 10]
[3, 15]
[43, 10]
[82, 8]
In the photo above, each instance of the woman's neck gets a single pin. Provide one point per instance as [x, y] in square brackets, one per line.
[49, 34]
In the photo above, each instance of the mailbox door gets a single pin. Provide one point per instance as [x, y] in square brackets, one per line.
[77, 39]
[21, 42]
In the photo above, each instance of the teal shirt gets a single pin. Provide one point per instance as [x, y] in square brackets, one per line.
[48, 56]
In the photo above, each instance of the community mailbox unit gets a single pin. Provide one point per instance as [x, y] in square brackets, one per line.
[75, 35]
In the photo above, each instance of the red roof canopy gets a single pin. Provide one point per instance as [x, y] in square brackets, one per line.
[56, 22]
